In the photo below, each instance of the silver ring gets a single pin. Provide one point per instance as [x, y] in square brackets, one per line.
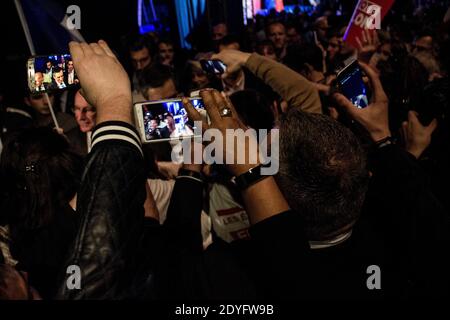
[225, 112]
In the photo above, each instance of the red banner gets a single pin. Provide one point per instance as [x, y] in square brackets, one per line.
[367, 15]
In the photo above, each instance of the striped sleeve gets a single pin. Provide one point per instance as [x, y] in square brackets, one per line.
[116, 132]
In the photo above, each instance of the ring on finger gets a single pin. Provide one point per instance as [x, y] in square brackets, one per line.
[225, 112]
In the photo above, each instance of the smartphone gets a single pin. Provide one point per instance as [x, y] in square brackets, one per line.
[350, 83]
[213, 66]
[165, 120]
[51, 73]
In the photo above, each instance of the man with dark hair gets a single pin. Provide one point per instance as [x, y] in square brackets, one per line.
[141, 55]
[39, 82]
[229, 42]
[166, 52]
[48, 74]
[219, 30]
[424, 43]
[140, 52]
[58, 77]
[276, 32]
[307, 60]
[293, 35]
[323, 171]
[70, 77]
[155, 131]
[157, 83]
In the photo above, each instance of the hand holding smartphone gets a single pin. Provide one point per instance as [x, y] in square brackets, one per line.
[352, 86]
[165, 120]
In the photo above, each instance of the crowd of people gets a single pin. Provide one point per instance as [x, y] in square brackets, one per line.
[357, 188]
[57, 74]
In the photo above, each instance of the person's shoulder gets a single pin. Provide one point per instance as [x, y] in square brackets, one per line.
[16, 118]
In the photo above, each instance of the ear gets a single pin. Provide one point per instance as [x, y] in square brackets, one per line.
[26, 100]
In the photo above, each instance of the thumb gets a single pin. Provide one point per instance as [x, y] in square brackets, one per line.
[412, 117]
[343, 102]
[404, 130]
[432, 126]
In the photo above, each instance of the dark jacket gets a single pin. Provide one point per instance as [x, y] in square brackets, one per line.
[122, 255]
[411, 226]
[110, 202]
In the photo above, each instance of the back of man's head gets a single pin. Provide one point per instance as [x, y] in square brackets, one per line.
[157, 82]
[323, 173]
[229, 42]
[253, 108]
[300, 58]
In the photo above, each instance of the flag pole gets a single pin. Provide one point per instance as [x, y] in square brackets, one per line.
[26, 30]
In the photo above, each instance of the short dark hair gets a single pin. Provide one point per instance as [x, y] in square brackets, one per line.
[139, 42]
[229, 39]
[298, 56]
[154, 76]
[271, 23]
[166, 41]
[264, 43]
[57, 69]
[253, 108]
[293, 26]
[40, 173]
[323, 172]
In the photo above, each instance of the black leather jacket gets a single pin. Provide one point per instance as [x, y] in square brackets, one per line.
[110, 202]
[120, 259]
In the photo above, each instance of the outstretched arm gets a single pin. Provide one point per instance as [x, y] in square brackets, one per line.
[291, 86]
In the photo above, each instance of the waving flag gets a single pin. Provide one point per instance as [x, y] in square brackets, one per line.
[49, 26]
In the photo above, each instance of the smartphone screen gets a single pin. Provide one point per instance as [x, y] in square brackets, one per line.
[213, 66]
[166, 119]
[352, 86]
[51, 73]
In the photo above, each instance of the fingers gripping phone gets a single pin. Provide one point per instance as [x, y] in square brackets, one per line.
[165, 120]
[213, 66]
[351, 84]
[51, 73]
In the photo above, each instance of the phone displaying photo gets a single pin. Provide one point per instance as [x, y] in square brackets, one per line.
[352, 86]
[51, 73]
[213, 66]
[165, 120]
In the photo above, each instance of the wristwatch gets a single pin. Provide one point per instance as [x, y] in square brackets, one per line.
[249, 178]
[384, 142]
